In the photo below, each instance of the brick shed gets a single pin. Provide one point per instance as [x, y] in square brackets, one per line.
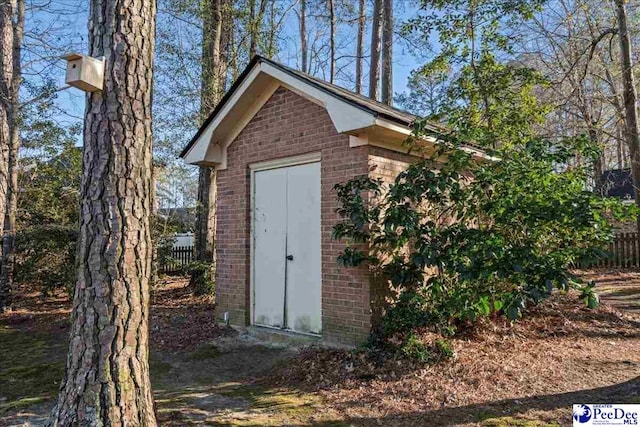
[280, 140]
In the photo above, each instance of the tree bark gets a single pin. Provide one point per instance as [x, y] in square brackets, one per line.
[374, 67]
[387, 52]
[213, 67]
[6, 83]
[107, 373]
[630, 100]
[252, 29]
[360, 44]
[255, 25]
[11, 32]
[303, 36]
[332, 41]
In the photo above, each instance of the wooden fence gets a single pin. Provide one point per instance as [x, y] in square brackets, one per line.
[179, 258]
[623, 252]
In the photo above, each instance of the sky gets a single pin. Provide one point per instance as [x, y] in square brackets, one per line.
[70, 18]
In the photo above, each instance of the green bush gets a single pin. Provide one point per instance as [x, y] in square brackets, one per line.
[414, 348]
[471, 239]
[45, 257]
[201, 281]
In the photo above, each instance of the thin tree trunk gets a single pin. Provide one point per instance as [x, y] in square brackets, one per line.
[255, 25]
[203, 245]
[154, 230]
[303, 35]
[252, 30]
[213, 67]
[6, 83]
[598, 168]
[630, 100]
[387, 52]
[11, 30]
[332, 41]
[233, 52]
[360, 44]
[374, 67]
[619, 142]
[107, 374]
[214, 71]
[273, 29]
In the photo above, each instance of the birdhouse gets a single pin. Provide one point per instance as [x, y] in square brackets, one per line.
[84, 72]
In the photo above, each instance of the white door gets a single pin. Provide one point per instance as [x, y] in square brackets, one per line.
[270, 228]
[287, 257]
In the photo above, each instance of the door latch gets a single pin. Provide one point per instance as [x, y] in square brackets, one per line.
[290, 257]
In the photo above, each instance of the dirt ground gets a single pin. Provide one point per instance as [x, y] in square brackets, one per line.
[527, 374]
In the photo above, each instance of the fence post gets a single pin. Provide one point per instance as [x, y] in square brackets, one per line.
[180, 257]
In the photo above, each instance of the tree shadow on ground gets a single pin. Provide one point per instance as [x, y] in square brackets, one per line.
[508, 412]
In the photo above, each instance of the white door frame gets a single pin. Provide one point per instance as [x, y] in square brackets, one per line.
[262, 166]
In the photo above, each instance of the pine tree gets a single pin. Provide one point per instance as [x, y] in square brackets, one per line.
[107, 373]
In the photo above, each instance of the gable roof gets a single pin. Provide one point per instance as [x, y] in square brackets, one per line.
[366, 121]
[364, 103]
[368, 104]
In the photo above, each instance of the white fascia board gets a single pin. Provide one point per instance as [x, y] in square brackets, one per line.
[197, 154]
[345, 117]
[198, 151]
[476, 153]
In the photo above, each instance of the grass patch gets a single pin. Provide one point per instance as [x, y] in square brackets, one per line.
[516, 422]
[31, 367]
[274, 406]
[19, 404]
[205, 352]
[158, 367]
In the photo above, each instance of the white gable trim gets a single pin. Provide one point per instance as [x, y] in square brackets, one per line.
[210, 148]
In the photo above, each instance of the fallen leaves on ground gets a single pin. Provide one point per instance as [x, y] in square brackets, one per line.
[180, 320]
[559, 347]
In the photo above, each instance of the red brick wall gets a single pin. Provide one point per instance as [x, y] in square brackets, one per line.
[386, 165]
[289, 125]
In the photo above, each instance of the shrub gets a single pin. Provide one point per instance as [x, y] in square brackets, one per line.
[45, 257]
[413, 348]
[470, 239]
[201, 281]
[416, 349]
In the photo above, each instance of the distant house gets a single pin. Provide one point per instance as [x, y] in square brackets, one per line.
[280, 140]
[183, 218]
[618, 183]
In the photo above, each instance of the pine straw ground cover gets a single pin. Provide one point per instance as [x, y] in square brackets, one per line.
[527, 373]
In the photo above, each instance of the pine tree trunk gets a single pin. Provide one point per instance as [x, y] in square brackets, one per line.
[303, 35]
[387, 52]
[107, 374]
[214, 69]
[630, 100]
[11, 32]
[360, 45]
[374, 70]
